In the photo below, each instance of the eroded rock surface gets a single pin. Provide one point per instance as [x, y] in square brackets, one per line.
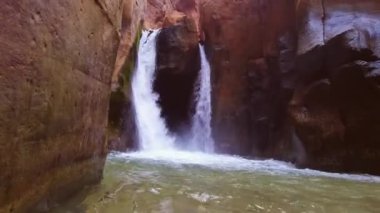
[334, 107]
[178, 65]
[243, 40]
[279, 72]
[55, 71]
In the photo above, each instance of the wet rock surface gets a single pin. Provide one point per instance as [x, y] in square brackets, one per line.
[178, 65]
[279, 78]
[243, 41]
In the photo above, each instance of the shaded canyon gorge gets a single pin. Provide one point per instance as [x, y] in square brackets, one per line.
[290, 80]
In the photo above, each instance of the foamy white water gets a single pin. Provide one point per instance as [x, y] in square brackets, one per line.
[152, 131]
[201, 123]
[177, 181]
[233, 163]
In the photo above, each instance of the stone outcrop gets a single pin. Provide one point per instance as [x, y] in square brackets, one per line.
[296, 80]
[149, 14]
[334, 106]
[132, 16]
[178, 63]
[55, 72]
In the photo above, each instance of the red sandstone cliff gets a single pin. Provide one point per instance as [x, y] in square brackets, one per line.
[55, 71]
[296, 80]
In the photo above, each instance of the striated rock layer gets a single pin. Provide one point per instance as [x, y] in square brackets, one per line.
[55, 71]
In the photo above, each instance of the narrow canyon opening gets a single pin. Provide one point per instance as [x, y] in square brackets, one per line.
[189, 106]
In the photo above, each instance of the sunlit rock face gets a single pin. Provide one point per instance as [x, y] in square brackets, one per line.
[55, 71]
[132, 15]
[336, 100]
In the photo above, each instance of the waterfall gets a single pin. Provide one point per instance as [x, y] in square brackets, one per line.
[153, 134]
[152, 131]
[201, 123]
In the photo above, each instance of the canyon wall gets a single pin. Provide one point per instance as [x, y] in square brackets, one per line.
[296, 80]
[246, 42]
[336, 99]
[56, 63]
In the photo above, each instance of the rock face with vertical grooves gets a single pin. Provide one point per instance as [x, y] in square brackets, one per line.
[55, 71]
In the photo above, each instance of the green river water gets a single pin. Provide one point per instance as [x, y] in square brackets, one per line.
[195, 182]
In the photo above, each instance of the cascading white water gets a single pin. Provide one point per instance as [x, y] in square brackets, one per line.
[201, 123]
[153, 134]
[152, 131]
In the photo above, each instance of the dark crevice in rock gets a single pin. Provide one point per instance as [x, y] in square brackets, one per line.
[121, 121]
[178, 64]
[323, 4]
[333, 108]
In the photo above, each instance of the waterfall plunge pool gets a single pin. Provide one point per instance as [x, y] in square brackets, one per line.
[175, 181]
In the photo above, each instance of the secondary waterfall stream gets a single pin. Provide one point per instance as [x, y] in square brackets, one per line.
[160, 178]
[201, 125]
